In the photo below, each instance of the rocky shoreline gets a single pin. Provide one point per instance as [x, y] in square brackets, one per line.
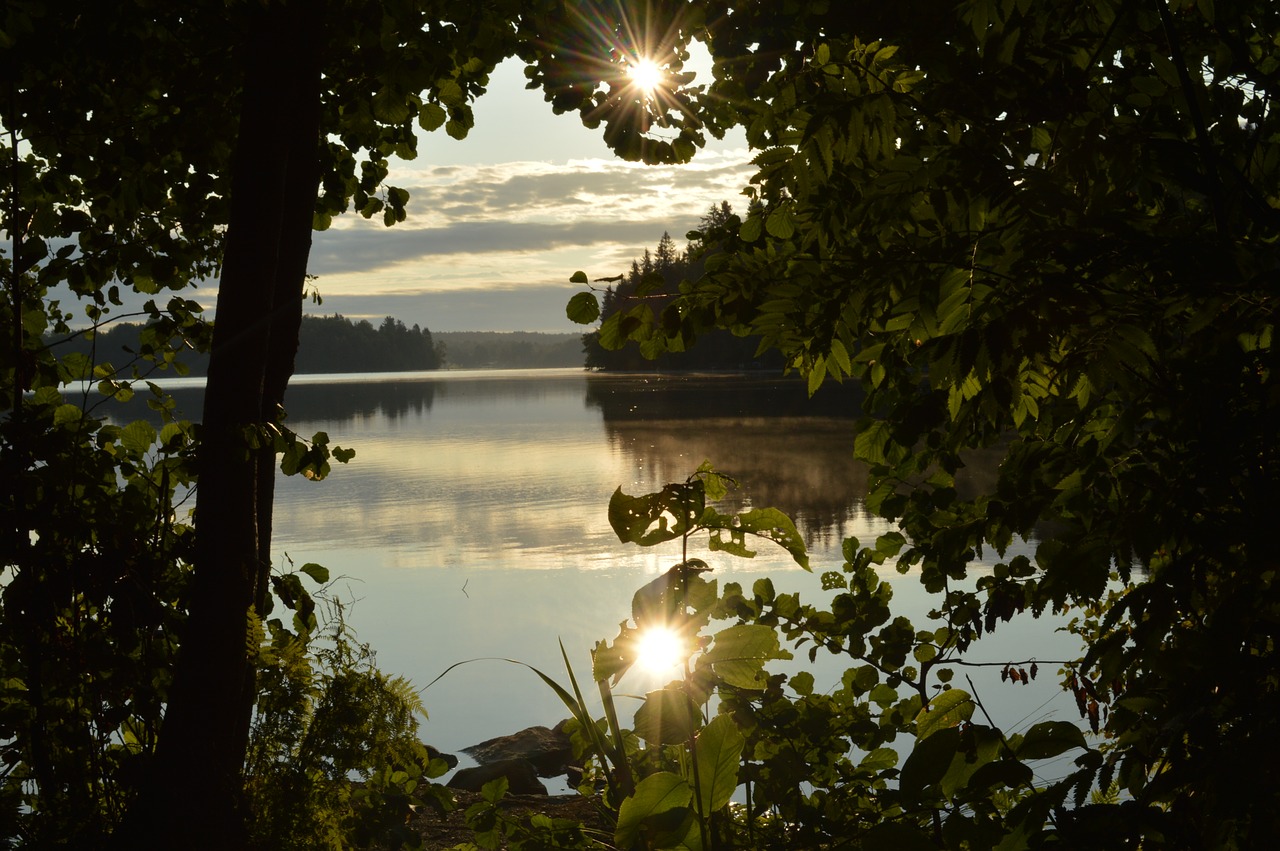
[521, 757]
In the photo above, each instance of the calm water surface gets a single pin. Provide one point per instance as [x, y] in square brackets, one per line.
[472, 523]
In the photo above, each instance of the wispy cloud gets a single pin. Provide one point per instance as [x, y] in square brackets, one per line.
[523, 216]
[363, 250]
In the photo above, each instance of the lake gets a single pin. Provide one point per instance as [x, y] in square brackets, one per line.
[472, 524]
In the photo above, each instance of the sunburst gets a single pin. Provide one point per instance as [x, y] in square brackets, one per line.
[636, 56]
[660, 650]
[646, 75]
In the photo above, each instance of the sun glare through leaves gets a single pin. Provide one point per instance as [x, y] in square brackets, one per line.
[660, 650]
[645, 75]
[624, 67]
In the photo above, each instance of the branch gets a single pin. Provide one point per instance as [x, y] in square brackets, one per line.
[1197, 121]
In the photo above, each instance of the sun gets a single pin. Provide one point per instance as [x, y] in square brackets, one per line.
[646, 75]
[659, 650]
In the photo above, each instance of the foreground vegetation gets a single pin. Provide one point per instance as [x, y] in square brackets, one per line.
[1037, 225]
[1055, 228]
[655, 277]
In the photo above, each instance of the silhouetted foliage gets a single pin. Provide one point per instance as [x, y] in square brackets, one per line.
[653, 282]
[325, 344]
[336, 344]
[509, 350]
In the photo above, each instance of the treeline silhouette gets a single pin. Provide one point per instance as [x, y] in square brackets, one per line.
[325, 344]
[509, 349]
[336, 344]
[663, 269]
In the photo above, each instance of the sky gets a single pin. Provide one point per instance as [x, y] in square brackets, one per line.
[498, 222]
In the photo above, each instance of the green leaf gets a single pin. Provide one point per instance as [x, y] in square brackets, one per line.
[737, 654]
[137, 437]
[719, 754]
[431, 117]
[779, 223]
[583, 308]
[655, 518]
[883, 694]
[67, 413]
[578, 277]
[1050, 738]
[929, 761]
[769, 523]
[319, 573]
[169, 433]
[450, 93]
[655, 796]
[390, 106]
[986, 745]
[611, 661]
[495, 790]
[890, 544]
[817, 374]
[879, 759]
[870, 442]
[948, 709]
[750, 230]
[667, 717]
[840, 355]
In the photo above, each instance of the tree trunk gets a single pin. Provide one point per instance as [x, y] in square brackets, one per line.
[193, 797]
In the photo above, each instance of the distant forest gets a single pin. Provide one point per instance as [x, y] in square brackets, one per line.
[509, 350]
[336, 344]
[325, 344]
[666, 266]
[339, 344]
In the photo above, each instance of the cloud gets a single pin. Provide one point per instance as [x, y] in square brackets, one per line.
[520, 214]
[358, 250]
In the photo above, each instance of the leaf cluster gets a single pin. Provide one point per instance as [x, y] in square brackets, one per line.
[891, 756]
[1046, 229]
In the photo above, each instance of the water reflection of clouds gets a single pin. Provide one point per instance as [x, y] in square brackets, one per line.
[804, 468]
[477, 526]
[517, 473]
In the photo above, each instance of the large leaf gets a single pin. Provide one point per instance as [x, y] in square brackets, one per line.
[660, 800]
[737, 654]
[929, 761]
[980, 746]
[1050, 738]
[611, 661]
[667, 717]
[655, 518]
[719, 755]
[948, 709]
[138, 436]
[583, 308]
[768, 523]
[662, 600]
